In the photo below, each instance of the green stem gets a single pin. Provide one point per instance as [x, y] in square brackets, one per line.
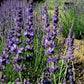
[60, 71]
[20, 76]
[54, 79]
[62, 66]
[66, 70]
[73, 68]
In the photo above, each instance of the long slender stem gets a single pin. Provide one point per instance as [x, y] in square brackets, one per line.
[60, 71]
[20, 76]
[62, 66]
[73, 68]
[54, 79]
[66, 70]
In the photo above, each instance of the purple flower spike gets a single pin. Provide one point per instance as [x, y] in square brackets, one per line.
[71, 49]
[68, 40]
[29, 31]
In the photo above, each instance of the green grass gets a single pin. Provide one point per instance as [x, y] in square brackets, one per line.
[70, 17]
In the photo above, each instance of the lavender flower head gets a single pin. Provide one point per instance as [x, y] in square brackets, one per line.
[69, 36]
[71, 49]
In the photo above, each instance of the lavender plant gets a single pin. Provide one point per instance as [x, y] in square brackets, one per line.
[33, 53]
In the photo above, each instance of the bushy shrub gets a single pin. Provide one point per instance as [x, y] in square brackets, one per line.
[33, 50]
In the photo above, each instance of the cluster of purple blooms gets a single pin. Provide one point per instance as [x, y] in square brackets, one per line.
[14, 47]
[49, 37]
[69, 58]
[29, 32]
[20, 41]
[50, 33]
[71, 49]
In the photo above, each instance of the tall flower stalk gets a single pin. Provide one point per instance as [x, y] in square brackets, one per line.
[29, 32]
[49, 37]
